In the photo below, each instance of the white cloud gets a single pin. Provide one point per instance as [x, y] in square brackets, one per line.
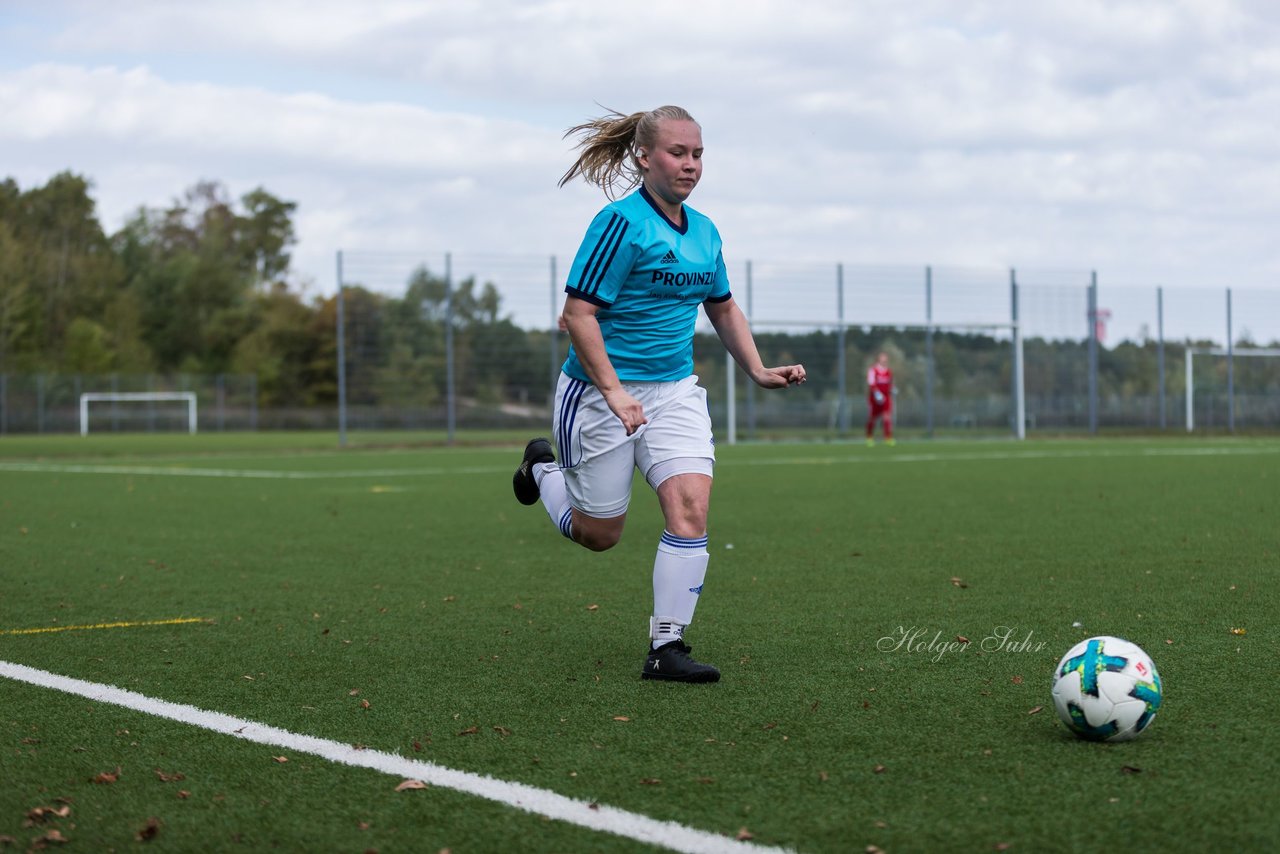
[1136, 137]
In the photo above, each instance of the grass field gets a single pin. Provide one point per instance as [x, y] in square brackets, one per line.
[400, 600]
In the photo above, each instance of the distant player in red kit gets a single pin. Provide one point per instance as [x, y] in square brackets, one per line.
[880, 399]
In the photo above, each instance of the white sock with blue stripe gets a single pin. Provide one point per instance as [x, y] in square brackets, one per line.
[678, 571]
[555, 497]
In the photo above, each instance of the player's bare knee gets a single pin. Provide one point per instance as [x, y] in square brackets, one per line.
[598, 541]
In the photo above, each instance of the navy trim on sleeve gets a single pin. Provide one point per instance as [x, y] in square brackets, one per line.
[724, 298]
[583, 295]
[602, 255]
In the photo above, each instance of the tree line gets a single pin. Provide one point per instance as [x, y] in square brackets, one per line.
[205, 286]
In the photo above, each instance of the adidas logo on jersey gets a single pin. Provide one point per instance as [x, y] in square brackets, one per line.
[669, 258]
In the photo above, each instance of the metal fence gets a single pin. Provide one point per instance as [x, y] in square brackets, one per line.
[51, 403]
[975, 351]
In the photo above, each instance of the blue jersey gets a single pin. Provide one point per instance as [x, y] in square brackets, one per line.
[648, 276]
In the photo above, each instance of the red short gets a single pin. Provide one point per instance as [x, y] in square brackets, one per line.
[878, 410]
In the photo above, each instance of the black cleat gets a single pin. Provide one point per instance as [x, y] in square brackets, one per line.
[537, 451]
[672, 662]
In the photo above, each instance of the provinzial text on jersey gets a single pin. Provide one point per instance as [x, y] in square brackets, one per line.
[681, 280]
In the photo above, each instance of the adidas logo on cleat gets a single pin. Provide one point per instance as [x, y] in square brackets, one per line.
[669, 258]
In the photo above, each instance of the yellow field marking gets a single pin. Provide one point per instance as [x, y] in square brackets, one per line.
[123, 625]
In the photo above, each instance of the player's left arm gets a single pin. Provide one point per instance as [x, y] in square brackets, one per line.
[731, 325]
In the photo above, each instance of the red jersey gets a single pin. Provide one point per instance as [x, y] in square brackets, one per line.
[880, 379]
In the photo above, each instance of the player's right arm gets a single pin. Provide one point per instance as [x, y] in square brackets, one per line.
[588, 342]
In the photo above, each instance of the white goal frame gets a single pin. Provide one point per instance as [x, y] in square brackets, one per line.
[1235, 352]
[136, 396]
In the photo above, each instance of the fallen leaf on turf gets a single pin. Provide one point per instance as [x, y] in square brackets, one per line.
[169, 778]
[1037, 710]
[502, 731]
[882, 825]
[149, 830]
[744, 835]
[184, 794]
[958, 581]
[650, 781]
[1003, 846]
[39, 815]
[410, 784]
[1130, 769]
[771, 725]
[1017, 680]
[623, 718]
[1168, 640]
[281, 759]
[593, 806]
[593, 607]
[354, 692]
[879, 769]
[417, 747]
[823, 776]
[871, 849]
[1238, 631]
[107, 777]
[364, 704]
[962, 639]
[8, 840]
[53, 836]
[706, 780]
[471, 730]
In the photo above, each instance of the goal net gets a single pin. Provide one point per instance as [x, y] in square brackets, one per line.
[135, 397]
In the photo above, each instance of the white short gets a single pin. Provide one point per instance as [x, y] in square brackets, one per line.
[598, 457]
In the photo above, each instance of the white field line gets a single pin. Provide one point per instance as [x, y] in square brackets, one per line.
[869, 457]
[667, 834]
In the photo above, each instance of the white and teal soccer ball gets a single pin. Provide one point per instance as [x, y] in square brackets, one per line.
[1106, 689]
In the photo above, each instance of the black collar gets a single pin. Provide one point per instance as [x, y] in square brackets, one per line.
[682, 227]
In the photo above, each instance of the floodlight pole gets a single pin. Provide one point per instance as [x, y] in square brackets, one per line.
[554, 373]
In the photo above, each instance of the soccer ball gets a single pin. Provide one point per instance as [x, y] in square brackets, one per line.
[1106, 689]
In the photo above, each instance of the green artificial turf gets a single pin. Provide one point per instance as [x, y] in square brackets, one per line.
[842, 579]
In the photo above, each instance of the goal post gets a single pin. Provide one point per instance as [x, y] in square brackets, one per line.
[1234, 353]
[136, 397]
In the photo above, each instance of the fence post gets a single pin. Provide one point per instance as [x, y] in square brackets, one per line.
[451, 402]
[1160, 351]
[342, 360]
[842, 407]
[928, 351]
[4, 404]
[1191, 415]
[1019, 391]
[1231, 371]
[253, 402]
[1093, 352]
[39, 403]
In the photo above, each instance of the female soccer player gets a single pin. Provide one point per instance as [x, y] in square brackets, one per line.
[627, 396]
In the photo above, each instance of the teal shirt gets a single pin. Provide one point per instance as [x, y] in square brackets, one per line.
[648, 276]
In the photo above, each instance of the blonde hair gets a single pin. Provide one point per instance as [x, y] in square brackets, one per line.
[610, 146]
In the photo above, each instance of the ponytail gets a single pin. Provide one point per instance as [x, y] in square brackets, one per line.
[610, 146]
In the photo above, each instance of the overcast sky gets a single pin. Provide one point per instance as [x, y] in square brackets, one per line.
[1140, 139]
